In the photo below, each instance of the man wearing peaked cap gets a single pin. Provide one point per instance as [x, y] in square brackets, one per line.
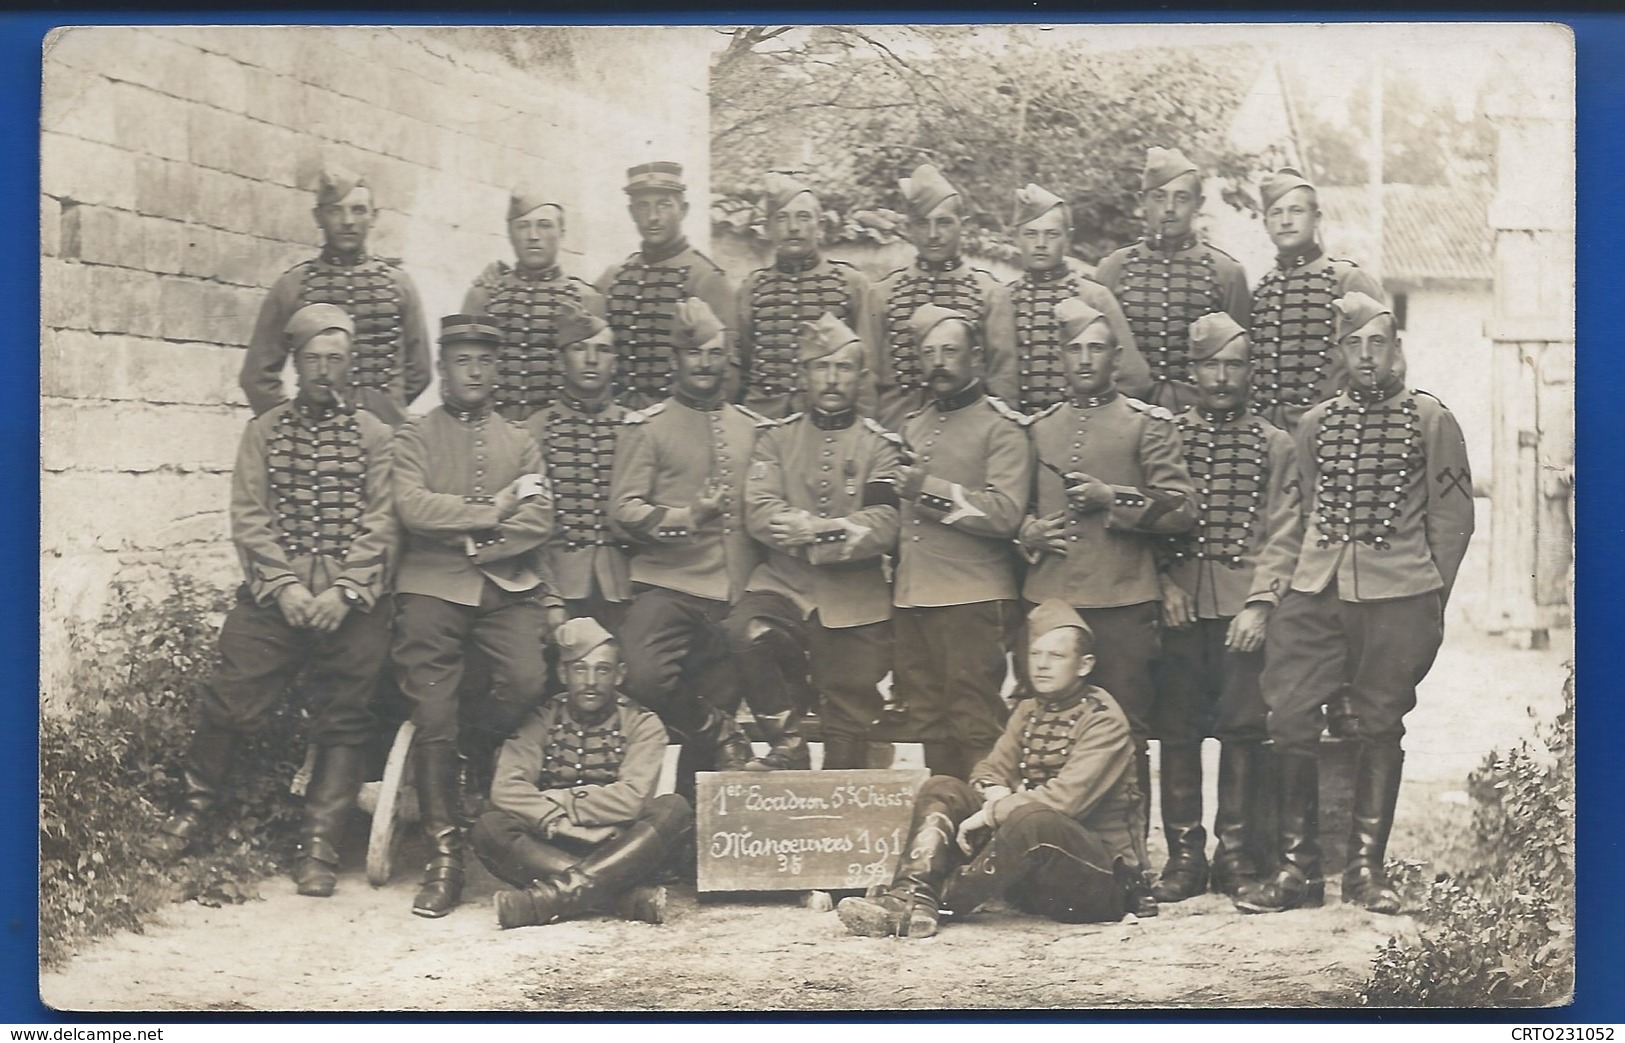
[1043, 227]
[962, 497]
[527, 300]
[1389, 512]
[1047, 819]
[477, 511]
[1170, 277]
[820, 498]
[577, 434]
[1220, 582]
[314, 524]
[676, 496]
[641, 293]
[576, 826]
[1294, 361]
[798, 287]
[938, 276]
[390, 363]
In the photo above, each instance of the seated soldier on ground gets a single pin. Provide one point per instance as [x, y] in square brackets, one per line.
[576, 826]
[1051, 819]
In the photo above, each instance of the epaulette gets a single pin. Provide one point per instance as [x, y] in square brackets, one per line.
[638, 416]
[894, 271]
[714, 265]
[1003, 409]
[1148, 409]
[492, 273]
[761, 421]
[1429, 394]
[870, 423]
[1047, 410]
[1218, 251]
[392, 262]
[1344, 260]
[912, 414]
[301, 264]
[841, 264]
[792, 418]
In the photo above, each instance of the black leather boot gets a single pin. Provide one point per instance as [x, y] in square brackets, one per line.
[1376, 791]
[1233, 865]
[594, 883]
[203, 776]
[789, 752]
[1296, 881]
[840, 754]
[328, 800]
[722, 738]
[527, 861]
[908, 909]
[1185, 873]
[1142, 774]
[944, 758]
[438, 780]
[1341, 722]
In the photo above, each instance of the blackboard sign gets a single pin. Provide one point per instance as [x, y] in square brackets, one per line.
[801, 830]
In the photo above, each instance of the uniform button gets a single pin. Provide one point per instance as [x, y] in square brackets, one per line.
[916, 539]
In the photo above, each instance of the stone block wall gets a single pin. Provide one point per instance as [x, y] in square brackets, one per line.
[176, 169]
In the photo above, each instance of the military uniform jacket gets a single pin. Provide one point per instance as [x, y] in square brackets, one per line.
[448, 470]
[1034, 296]
[954, 544]
[578, 450]
[811, 465]
[1111, 554]
[1077, 759]
[641, 295]
[1389, 497]
[772, 302]
[1293, 363]
[1246, 540]
[954, 284]
[555, 768]
[390, 361]
[1163, 291]
[667, 454]
[525, 306]
[311, 503]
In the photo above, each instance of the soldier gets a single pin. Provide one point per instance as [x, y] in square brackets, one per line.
[314, 525]
[577, 435]
[1220, 582]
[576, 826]
[641, 294]
[1043, 227]
[1049, 820]
[1112, 479]
[799, 287]
[676, 491]
[476, 511]
[526, 301]
[962, 503]
[1294, 359]
[938, 276]
[1389, 513]
[1171, 278]
[821, 496]
[390, 363]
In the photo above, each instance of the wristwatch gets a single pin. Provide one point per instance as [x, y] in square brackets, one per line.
[350, 597]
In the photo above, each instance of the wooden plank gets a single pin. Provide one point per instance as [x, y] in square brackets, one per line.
[798, 830]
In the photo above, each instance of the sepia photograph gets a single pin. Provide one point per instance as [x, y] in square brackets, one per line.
[807, 518]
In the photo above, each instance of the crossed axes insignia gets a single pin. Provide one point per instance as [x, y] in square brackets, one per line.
[1459, 481]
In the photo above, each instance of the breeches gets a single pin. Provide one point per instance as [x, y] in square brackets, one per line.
[676, 653]
[1204, 688]
[950, 667]
[496, 832]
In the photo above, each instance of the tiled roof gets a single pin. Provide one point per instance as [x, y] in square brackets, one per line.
[1429, 232]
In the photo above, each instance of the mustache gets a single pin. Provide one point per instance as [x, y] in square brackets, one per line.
[939, 372]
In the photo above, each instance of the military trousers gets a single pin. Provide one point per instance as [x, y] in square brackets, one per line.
[1319, 642]
[676, 652]
[949, 668]
[1205, 689]
[261, 653]
[1128, 641]
[433, 641]
[497, 831]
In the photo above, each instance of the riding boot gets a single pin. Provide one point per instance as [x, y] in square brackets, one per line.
[437, 772]
[1296, 881]
[721, 738]
[1142, 774]
[203, 776]
[908, 909]
[594, 883]
[1185, 873]
[526, 861]
[789, 753]
[945, 758]
[477, 748]
[1341, 722]
[328, 800]
[845, 753]
[1376, 791]
[1233, 865]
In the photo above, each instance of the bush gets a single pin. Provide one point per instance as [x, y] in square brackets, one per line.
[109, 770]
[1503, 931]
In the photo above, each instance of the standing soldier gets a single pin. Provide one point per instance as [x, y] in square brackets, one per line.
[821, 496]
[1170, 278]
[1112, 478]
[676, 493]
[476, 511]
[1220, 582]
[962, 503]
[577, 434]
[1043, 232]
[526, 300]
[799, 287]
[939, 276]
[390, 363]
[1389, 513]
[641, 294]
[314, 525]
